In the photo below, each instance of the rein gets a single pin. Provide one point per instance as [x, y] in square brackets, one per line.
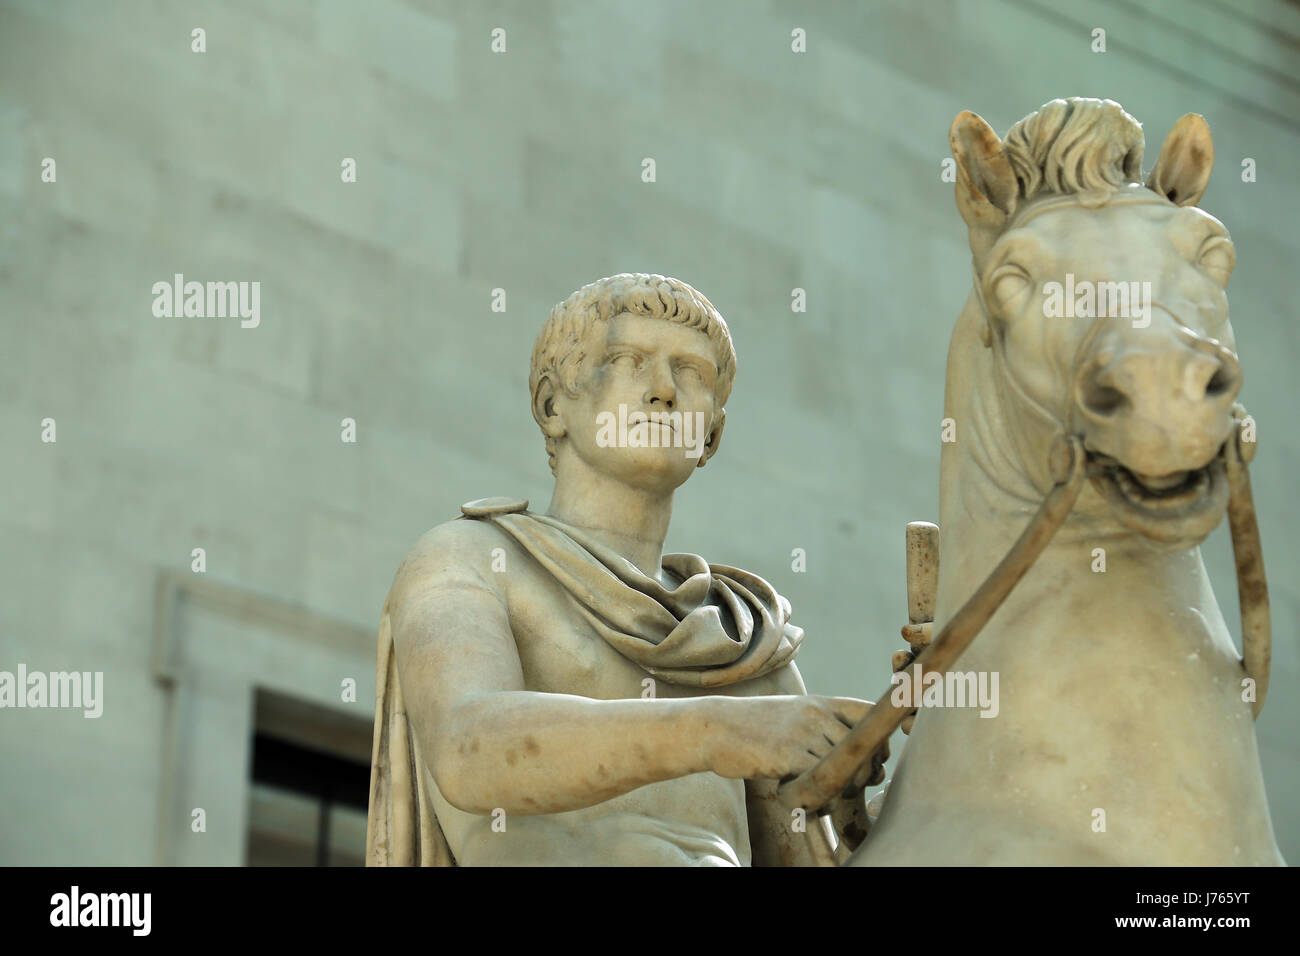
[856, 761]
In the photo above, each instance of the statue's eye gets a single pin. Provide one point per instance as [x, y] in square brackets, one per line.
[1217, 258]
[625, 359]
[687, 369]
[1008, 286]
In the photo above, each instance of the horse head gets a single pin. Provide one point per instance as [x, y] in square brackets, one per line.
[1103, 299]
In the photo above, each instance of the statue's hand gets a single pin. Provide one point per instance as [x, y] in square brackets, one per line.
[918, 637]
[778, 736]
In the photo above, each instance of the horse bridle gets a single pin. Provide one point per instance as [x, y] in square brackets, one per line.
[855, 762]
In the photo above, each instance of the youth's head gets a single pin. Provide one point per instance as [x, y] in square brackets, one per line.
[650, 344]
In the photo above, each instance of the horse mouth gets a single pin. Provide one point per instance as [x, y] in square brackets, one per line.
[1172, 508]
[1163, 493]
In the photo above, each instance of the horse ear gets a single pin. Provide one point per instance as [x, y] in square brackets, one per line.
[987, 189]
[1182, 170]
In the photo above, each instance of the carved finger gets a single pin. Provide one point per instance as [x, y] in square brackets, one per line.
[918, 635]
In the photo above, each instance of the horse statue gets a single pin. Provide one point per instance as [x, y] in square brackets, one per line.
[1095, 441]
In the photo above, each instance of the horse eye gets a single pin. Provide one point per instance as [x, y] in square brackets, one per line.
[1217, 259]
[1008, 283]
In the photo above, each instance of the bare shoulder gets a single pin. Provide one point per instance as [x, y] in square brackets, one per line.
[449, 617]
[455, 554]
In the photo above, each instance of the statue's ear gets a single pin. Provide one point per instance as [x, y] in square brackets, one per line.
[715, 438]
[1182, 170]
[544, 410]
[987, 189]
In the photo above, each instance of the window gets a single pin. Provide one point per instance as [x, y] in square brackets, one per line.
[310, 785]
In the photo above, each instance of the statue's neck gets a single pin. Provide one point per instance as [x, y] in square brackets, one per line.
[632, 522]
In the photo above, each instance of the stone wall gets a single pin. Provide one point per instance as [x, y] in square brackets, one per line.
[522, 171]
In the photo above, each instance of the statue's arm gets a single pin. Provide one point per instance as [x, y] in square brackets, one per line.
[491, 743]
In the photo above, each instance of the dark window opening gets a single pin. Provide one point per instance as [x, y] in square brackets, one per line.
[310, 785]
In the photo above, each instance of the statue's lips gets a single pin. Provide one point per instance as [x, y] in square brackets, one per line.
[1171, 508]
[638, 418]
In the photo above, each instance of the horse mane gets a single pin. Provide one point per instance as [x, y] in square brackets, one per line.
[1075, 145]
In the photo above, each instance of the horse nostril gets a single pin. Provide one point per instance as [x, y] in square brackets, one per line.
[1102, 399]
[1211, 380]
[1211, 372]
[1225, 381]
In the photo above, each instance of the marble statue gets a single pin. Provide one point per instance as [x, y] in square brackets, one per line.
[551, 688]
[1125, 728]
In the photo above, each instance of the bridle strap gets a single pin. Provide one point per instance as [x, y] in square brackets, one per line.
[1248, 553]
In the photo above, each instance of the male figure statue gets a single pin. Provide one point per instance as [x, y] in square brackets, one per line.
[552, 689]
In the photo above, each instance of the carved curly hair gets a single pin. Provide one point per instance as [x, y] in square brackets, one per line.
[562, 345]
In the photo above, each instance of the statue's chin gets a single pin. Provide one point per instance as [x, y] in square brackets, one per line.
[1172, 514]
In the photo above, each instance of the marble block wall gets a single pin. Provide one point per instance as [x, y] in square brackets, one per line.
[522, 170]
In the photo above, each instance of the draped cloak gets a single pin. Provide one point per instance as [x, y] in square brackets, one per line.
[719, 625]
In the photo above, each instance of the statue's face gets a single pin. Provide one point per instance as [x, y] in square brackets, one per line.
[646, 404]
